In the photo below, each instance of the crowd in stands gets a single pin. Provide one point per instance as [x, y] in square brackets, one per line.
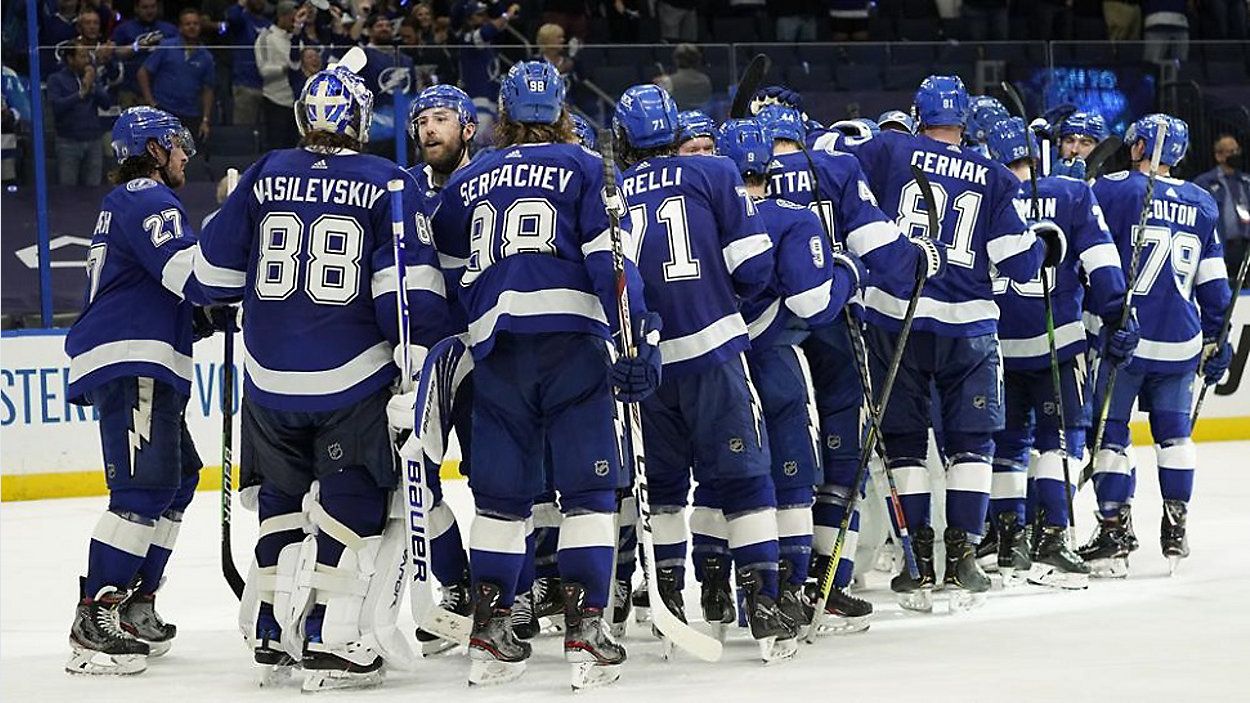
[241, 63]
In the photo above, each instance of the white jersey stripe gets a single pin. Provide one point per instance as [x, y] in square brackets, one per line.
[705, 340]
[318, 383]
[1038, 346]
[960, 313]
[130, 351]
[740, 251]
[552, 301]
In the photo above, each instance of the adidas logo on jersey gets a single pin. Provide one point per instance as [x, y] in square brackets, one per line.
[319, 165]
[514, 154]
[1172, 193]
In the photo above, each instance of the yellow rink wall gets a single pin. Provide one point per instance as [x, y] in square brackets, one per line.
[50, 448]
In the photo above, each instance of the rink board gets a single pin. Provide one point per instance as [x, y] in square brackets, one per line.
[51, 448]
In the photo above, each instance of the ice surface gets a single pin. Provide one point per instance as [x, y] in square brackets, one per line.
[1150, 637]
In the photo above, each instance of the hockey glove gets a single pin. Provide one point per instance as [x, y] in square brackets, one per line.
[1215, 361]
[932, 258]
[853, 266]
[1072, 168]
[637, 377]
[207, 320]
[1122, 342]
[1054, 239]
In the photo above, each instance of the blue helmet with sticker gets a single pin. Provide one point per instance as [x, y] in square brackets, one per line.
[780, 122]
[899, 118]
[532, 93]
[137, 125]
[1084, 124]
[1175, 138]
[692, 124]
[983, 113]
[1007, 141]
[646, 117]
[941, 101]
[585, 133]
[775, 95]
[745, 143]
[444, 96]
[335, 100]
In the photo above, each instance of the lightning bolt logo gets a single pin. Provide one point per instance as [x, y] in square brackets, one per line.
[141, 420]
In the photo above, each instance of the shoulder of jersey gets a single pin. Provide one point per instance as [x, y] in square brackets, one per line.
[140, 184]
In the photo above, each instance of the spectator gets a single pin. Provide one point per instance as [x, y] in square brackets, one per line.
[985, 20]
[1123, 19]
[1230, 186]
[679, 20]
[14, 110]
[76, 98]
[796, 20]
[104, 12]
[273, 61]
[387, 73]
[178, 77]
[689, 85]
[56, 29]
[91, 36]
[134, 39]
[423, 21]
[1165, 27]
[849, 19]
[572, 15]
[551, 48]
[483, 26]
[310, 62]
[624, 21]
[244, 22]
[431, 58]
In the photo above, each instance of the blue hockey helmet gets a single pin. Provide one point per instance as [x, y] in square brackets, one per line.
[137, 125]
[775, 95]
[532, 93]
[692, 124]
[941, 101]
[646, 117]
[335, 100]
[1007, 141]
[897, 118]
[1085, 124]
[983, 113]
[445, 96]
[1175, 138]
[745, 143]
[780, 122]
[585, 133]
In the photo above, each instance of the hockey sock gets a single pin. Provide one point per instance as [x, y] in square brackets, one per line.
[546, 537]
[668, 527]
[827, 517]
[1008, 487]
[627, 539]
[525, 578]
[447, 558]
[497, 552]
[709, 538]
[123, 536]
[585, 554]
[1112, 472]
[968, 481]
[794, 530]
[165, 535]
[1177, 458]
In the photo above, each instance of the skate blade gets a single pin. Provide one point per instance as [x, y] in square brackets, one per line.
[960, 601]
[492, 672]
[841, 625]
[719, 630]
[1115, 568]
[317, 680]
[273, 675]
[989, 564]
[93, 663]
[920, 600]
[1050, 577]
[642, 614]
[436, 647]
[773, 650]
[1174, 562]
[158, 649]
[593, 675]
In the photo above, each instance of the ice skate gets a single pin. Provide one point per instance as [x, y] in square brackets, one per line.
[588, 644]
[889, 556]
[1055, 564]
[987, 550]
[641, 600]
[671, 598]
[534, 611]
[353, 666]
[455, 600]
[793, 602]
[273, 664]
[100, 645]
[918, 594]
[964, 581]
[496, 655]
[1172, 537]
[717, 598]
[844, 613]
[1107, 551]
[776, 634]
[1126, 519]
[621, 607]
[138, 617]
[1011, 549]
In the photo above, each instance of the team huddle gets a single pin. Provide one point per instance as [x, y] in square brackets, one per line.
[689, 364]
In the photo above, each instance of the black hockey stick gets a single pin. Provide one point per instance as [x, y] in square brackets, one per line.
[228, 568]
[750, 82]
[1056, 382]
[1225, 329]
[876, 414]
[1098, 157]
[666, 621]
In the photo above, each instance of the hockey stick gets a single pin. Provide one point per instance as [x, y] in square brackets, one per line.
[1098, 157]
[858, 350]
[228, 568]
[750, 81]
[1139, 243]
[679, 633]
[876, 414]
[1056, 381]
[1225, 329]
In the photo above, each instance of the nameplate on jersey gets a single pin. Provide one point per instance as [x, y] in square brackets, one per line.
[1047, 207]
[792, 181]
[522, 175]
[301, 189]
[951, 167]
[1176, 213]
[648, 180]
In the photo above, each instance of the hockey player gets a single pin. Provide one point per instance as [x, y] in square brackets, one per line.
[702, 249]
[585, 133]
[306, 242]
[1180, 296]
[697, 136]
[540, 291]
[833, 185]
[953, 343]
[897, 121]
[809, 288]
[136, 370]
[1031, 417]
[1078, 134]
[984, 112]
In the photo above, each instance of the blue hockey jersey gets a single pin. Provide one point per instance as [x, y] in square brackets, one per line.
[305, 241]
[851, 210]
[804, 291]
[702, 246]
[136, 317]
[428, 194]
[1181, 264]
[527, 228]
[979, 226]
[1071, 205]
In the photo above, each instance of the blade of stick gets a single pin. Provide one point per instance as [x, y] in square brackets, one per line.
[750, 82]
[1099, 156]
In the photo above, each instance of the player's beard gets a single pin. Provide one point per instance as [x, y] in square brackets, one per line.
[444, 158]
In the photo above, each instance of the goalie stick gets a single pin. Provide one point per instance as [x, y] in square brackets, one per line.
[750, 81]
[228, 568]
[679, 633]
